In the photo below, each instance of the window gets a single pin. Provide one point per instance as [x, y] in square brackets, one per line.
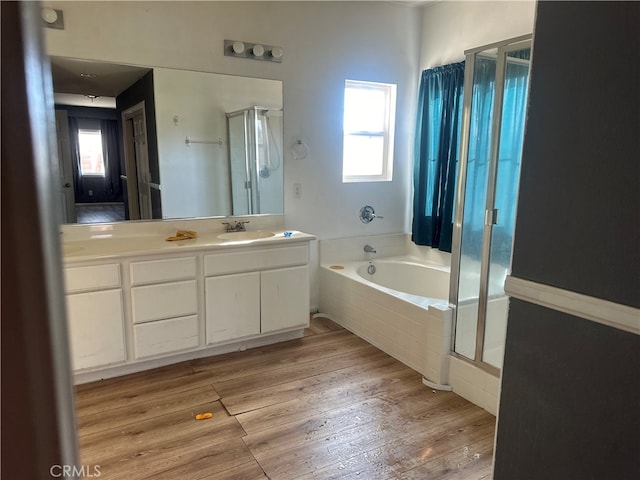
[369, 120]
[91, 160]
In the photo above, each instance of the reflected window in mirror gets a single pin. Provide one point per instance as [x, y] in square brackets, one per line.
[91, 158]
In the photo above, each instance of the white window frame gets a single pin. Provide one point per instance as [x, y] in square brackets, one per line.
[387, 133]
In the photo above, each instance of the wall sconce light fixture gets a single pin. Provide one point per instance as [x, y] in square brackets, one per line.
[52, 18]
[253, 51]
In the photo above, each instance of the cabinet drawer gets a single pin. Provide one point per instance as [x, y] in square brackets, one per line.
[82, 279]
[155, 271]
[166, 336]
[222, 263]
[155, 302]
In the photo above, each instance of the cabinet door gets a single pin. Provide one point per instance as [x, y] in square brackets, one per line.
[232, 306]
[284, 296]
[96, 328]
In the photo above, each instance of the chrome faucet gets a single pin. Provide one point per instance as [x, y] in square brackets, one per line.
[367, 214]
[237, 227]
[369, 249]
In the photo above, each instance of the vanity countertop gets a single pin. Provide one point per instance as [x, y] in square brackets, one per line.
[111, 247]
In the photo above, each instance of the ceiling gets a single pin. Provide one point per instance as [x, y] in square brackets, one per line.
[103, 80]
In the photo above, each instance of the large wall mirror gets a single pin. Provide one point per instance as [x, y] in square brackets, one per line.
[139, 143]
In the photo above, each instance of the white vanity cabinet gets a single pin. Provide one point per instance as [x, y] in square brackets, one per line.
[131, 310]
[95, 316]
[164, 306]
[256, 292]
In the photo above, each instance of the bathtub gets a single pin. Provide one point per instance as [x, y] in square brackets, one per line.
[399, 304]
[404, 277]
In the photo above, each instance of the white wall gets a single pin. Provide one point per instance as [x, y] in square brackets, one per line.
[449, 28]
[324, 43]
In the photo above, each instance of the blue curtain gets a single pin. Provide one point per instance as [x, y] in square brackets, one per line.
[78, 181]
[436, 155]
[111, 155]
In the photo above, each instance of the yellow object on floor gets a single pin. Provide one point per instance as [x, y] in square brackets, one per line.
[182, 235]
[204, 416]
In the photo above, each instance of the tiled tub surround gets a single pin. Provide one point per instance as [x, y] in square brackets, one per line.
[474, 384]
[415, 329]
[415, 326]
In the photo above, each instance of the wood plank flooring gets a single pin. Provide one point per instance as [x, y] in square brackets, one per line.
[326, 406]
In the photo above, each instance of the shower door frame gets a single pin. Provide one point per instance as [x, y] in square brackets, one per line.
[250, 183]
[503, 47]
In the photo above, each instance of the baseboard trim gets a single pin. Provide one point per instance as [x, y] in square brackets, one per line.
[142, 365]
[616, 315]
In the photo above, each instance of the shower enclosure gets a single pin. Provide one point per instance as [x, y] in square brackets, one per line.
[495, 96]
[255, 160]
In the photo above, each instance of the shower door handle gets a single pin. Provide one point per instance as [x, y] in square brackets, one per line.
[491, 217]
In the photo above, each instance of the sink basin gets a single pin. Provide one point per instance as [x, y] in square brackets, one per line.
[68, 249]
[239, 236]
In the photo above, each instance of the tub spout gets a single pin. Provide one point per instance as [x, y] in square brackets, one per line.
[369, 249]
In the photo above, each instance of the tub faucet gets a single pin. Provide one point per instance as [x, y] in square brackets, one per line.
[367, 214]
[369, 249]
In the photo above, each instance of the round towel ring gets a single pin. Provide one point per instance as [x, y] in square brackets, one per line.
[300, 150]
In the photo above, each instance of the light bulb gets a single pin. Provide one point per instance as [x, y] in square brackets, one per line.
[49, 15]
[237, 47]
[258, 50]
[276, 52]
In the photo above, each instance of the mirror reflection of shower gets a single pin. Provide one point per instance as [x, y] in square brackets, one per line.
[269, 154]
[255, 156]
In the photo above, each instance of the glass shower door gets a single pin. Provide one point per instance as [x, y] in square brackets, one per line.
[475, 194]
[505, 194]
[493, 130]
[269, 160]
